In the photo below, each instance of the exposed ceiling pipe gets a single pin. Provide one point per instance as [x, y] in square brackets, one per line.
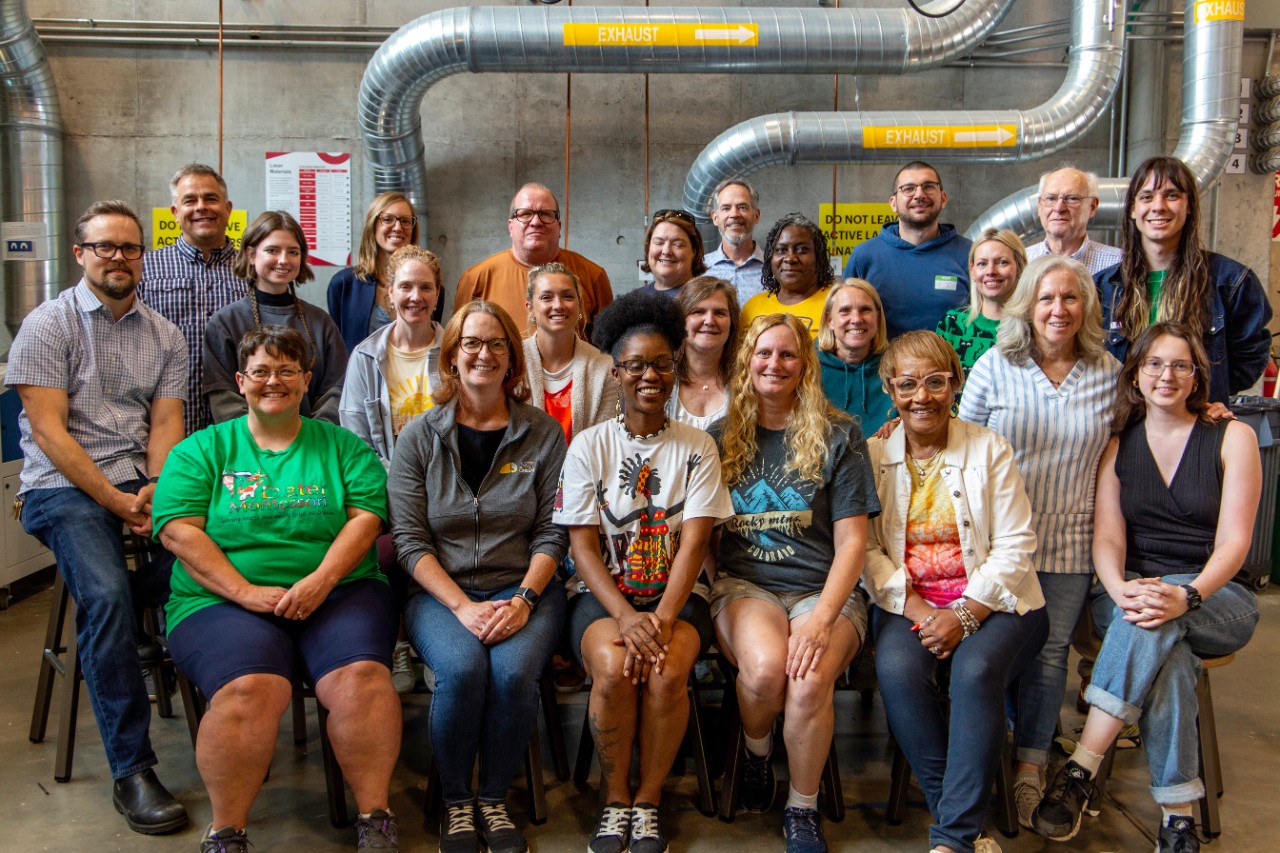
[31, 189]
[1211, 62]
[600, 39]
[971, 136]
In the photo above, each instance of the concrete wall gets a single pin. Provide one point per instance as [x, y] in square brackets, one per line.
[134, 115]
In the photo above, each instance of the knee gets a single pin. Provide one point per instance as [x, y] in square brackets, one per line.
[356, 682]
[251, 697]
[811, 696]
[762, 676]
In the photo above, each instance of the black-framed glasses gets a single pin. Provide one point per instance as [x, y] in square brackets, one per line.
[637, 366]
[390, 219]
[669, 213]
[934, 383]
[107, 250]
[262, 374]
[929, 188]
[525, 215]
[1156, 368]
[497, 346]
[1069, 199]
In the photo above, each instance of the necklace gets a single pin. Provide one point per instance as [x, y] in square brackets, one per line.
[622, 423]
[920, 470]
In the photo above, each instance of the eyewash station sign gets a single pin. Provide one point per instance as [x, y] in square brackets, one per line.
[605, 34]
[847, 225]
[940, 136]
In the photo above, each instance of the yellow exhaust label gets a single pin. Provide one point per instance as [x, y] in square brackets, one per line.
[661, 35]
[1207, 11]
[935, 136]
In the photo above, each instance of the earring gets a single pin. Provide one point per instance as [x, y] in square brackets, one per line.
[617, 406]
[453, 370]
[1135, 382]
[955, 408]
[892, 413]
[510, 372]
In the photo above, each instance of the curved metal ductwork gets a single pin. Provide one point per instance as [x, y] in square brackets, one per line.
[31, 188]
[1211, 61]
[832, 138]
[504, 38]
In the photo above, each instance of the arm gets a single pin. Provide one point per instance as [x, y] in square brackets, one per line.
[1248, 340]
[331, 365]
[352, 413]
[166, 430]
[810, 640]
[1011, 537]
[349, 547]
[219, 383]
[187, 540]
[1109, 530]
[975, 402]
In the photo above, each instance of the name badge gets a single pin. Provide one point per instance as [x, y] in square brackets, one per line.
[946, 282]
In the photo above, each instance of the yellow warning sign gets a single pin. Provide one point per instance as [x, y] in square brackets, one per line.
[1219, 10]
[165, 230]
[936, 136]
[852, 223]
[661, 35]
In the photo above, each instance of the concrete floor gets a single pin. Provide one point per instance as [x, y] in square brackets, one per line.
[290, 813]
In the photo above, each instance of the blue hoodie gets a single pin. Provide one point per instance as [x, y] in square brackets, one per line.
[915, 283]
[856, 389]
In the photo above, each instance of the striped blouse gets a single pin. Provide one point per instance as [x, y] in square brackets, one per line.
[1058, 435]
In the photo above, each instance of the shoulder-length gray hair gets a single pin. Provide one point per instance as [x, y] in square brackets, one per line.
[1015, 338]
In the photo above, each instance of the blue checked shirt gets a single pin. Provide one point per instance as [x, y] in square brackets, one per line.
[1095, 256]
[187, 291]
[111, 371]
[745, 279]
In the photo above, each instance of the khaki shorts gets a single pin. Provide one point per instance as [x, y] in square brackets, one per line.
[794, 604]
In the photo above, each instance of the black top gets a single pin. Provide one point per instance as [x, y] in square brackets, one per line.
[477, 447]
[1170, 529]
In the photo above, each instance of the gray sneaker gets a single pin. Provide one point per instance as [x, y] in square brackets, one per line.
[378, 831]
[403, 677]
[225, 840]
[646, 833]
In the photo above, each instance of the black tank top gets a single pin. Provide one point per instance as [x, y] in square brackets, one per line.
[1170, 529]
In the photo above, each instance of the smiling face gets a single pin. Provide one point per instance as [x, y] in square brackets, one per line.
[925, 414]
[114, 277]
[1167, 391]
[670, 255]
[854, 320]
[276, 261]
[1061, 221]
[707, 324]
[794, 261]
[273, 396]
[1159, 212]
[776, 367]
[202, 210]
[995, 270]
[555, 305]
[534, 242]
[414, 293]
[735, 215]
[397, 234]
[922, 206]
[482, 370]
[1058, 312]
[647, 393]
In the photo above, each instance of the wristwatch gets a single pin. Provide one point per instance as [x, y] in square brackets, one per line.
[1193, 597]
[530, 597]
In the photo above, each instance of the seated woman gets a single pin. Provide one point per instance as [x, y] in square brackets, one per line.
[672, 252]
[273, 262]
[1173, 522]
[949, 571]
[272, 517]
[471, 487]
[785, 608]
[640, 495]
[797, 273]
[704, 361]
[359, 297]
[568, 377]
[996, 261]
[851, 339]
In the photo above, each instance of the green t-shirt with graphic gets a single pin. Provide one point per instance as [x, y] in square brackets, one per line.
[1155, 288]
[274, 514]
[969, 339]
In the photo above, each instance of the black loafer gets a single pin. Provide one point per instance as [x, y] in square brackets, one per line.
[147, 806]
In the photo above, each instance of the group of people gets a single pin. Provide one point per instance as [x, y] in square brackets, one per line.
[630, 481]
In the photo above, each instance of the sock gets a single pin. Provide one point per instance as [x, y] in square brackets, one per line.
[1090, 761]
[1167, 812]
[1034, 778]
[759, 746]
[795, 799]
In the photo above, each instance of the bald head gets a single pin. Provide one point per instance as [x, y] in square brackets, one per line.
[534, 242]
[1068, 199]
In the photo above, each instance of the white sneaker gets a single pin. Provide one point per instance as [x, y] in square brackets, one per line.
[985, 844]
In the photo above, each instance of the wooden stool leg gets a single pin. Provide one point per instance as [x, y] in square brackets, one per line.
[537, 790]
[1006, 809]
[50, 664]
[693, 736]
[731, 725]
[1210, 763]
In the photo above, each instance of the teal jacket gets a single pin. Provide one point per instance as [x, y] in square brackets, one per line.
[856, 389]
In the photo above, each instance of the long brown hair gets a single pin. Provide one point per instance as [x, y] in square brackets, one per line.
[1184, 298]
[514, 384]
[696, 290]
[259, 230]
[1131, 406]
[367, 255]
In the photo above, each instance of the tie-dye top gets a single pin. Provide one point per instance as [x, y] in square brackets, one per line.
[932, 553]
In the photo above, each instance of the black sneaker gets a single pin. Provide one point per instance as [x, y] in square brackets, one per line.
[1058, 815]
[646, 833]
[1179, 836]
[613, 831]
[378, 831]
[499, 831]
[803, 830]
[458, 828]
[759, 789]
[225, 840]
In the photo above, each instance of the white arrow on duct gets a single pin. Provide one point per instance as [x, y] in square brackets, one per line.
[999, 136]
[740, 34]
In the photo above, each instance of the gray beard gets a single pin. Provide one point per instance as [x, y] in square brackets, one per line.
[738, 241]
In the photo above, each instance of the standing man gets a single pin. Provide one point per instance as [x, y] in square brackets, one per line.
[102, 379]
[735, 210]
[534, 224]
[192, 279]
[919, 267]
[1067, 200]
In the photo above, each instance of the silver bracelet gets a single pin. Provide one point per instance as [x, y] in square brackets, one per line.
[968, 621]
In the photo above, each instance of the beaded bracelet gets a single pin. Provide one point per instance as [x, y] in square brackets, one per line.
[968, 621]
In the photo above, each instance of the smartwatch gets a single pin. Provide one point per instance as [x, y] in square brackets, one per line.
[530, 597]
[1193, 597]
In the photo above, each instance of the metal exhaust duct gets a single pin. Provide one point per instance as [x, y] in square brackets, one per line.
[971, 136]
[578, 39]
[1211, 61]
[30, 163]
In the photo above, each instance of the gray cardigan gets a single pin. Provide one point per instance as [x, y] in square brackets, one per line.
[483, 541]
[594, 395]
[365, 408]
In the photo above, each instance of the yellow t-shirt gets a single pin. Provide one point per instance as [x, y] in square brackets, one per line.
[808, 310]
[408, 385]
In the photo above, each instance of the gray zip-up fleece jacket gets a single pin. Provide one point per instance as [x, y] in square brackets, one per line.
[484, 541]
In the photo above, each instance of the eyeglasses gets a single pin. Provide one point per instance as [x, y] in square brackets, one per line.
[261, 374]
[1070, 200]
[1156, 367]
[105, 250]
[526, 214]
[637, 366]
[390, 219]
[928, 187]
[667, 214]
[934, 383]
[497, 346]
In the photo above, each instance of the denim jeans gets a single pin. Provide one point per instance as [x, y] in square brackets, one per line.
[85, 538]
[486, 699]
[1042, 684]
[1148, 676]
[955, 760]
